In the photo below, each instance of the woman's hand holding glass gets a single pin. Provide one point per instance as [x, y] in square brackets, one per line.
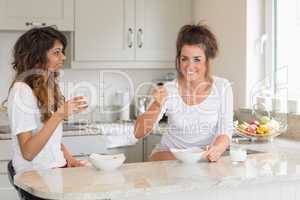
[160, 95]
[75, 105]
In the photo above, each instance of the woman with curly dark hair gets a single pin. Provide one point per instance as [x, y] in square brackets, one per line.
[36, 106]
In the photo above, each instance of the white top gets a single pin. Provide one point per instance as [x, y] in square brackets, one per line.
[197, 125]
[24, 115]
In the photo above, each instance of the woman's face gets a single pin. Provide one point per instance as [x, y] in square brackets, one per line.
[55, 57]
[193, 63]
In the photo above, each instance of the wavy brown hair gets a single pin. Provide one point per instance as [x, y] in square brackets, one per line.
[29, 62]
[199, 35]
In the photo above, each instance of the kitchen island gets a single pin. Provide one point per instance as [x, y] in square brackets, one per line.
[274, 174]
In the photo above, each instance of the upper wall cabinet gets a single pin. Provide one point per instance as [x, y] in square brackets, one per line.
[128, 30]
[22, 15]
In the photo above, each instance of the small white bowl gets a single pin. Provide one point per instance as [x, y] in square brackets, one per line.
[190, 155]
[107, 162]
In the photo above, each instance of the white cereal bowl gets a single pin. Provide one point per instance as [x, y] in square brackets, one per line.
[107, 162]
[190, 155]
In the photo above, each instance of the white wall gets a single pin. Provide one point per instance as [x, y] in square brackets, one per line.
[256, 73]
[236, 24]
[7, 40]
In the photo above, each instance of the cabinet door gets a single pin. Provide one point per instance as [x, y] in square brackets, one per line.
[104, 30]
[7, 191]
[22, 15]
[157, 25]
[6, 151]
[150, 142]
[85, 145]
[133, 153]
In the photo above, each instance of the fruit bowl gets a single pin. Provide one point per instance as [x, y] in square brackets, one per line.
[264, 128]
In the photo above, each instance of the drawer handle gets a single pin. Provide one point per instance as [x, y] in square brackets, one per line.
[130, 38]
[140, 38]
[35, 24]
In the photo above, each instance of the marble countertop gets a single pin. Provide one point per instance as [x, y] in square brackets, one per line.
[278, 163]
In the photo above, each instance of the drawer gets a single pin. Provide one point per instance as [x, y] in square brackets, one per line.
[4, 182]
[6, 152]
[149, 144]
[85, 145]
[10, 194]
[133, 153]
[3, 166]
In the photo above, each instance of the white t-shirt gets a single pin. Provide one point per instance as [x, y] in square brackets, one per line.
[197, 125]
[24, 115]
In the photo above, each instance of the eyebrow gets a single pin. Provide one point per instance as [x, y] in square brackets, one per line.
[192, 57]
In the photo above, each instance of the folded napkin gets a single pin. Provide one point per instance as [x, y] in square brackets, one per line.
[118, 134]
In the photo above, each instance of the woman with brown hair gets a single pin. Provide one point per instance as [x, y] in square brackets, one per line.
[199, 106]
[36, 106]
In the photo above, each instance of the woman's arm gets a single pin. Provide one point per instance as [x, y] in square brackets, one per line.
[218, 147]
[225, 124]
[145, 122]
[222, 141]
[31, 145]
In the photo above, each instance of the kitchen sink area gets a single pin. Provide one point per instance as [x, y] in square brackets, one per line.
[75, 126]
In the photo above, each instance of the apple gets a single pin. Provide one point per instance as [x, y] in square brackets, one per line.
[251, 128]
[255, 122]
[264, 119]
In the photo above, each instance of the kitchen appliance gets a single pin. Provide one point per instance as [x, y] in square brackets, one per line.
[123, 102]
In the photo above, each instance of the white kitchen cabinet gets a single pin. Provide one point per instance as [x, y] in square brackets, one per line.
[128, 30]
[6, 150]
[133, 153]
[82, 146]
[85, 144]
[157, 25]
[22, 15]
[7, 191]
[104, 30]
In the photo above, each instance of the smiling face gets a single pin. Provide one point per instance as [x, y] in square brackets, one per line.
[193, 63]
[56, 57]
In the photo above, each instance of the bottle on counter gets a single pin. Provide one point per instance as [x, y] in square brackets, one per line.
[123, 101]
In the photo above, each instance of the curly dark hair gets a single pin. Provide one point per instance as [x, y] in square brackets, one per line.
[200, 35]
[29, 62]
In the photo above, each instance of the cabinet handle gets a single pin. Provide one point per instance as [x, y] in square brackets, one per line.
[130, 38]
[140, 38]
[35, 24]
